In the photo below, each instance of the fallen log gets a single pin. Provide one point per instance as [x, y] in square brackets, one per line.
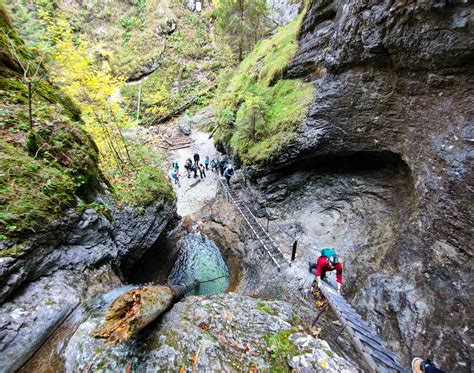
[213, 131]
[180, 147]
[193, 184]
[184, 106]
[136, 308]
[175, 144]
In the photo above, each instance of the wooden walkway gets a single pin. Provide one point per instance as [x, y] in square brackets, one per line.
[377, 357]
[267, 243]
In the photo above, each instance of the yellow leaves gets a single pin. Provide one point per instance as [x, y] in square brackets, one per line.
[228, 316]
[324, 364]
[94, 89]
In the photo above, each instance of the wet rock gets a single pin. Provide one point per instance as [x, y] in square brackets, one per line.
[29, 318]
[56, 269]
[224, 332]
[145, 70]
[282, 11]
[317, 356]
[395, 82]
[81, 241]
[184, 125]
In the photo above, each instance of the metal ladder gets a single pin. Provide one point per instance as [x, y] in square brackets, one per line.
[268, 244]
[377, 357]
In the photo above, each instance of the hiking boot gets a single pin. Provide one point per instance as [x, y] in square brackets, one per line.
[417, 365]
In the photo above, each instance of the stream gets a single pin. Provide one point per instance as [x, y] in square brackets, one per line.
[196, 257]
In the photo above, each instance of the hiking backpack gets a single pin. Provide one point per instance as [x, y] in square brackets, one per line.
[328, 253]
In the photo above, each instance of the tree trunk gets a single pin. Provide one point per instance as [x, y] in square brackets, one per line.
[30, 104]
[139, 99]
[241, 39]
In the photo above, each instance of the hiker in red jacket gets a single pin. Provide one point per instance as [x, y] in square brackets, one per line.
[328, 261]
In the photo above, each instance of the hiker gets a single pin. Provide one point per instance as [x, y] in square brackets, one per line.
[206, 163]
[188, 166]
[418, 365]
[175, 177]
[229, 171]
[213, 166]
[328, 261]
[202, 170]
[196, 159]
[176, 166]
[220, 165]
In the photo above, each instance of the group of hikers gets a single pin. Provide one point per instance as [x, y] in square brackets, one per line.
[328, 261]
[194, 165]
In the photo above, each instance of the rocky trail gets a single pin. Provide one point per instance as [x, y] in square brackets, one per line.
[191, 197]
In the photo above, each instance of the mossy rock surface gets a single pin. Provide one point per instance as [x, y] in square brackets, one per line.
[44, 167]
[220, 333]
[259, 113]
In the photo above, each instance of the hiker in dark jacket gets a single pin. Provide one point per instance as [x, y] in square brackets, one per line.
[221, 165]
[328, 261]
[213, 166]
[188, 166]
[196, 160]
[229, 171]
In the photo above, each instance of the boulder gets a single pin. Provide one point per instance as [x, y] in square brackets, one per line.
[225, 332]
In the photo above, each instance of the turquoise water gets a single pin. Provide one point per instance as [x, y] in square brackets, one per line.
[199, 258]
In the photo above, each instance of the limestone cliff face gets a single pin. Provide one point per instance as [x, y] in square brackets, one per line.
[395, 83]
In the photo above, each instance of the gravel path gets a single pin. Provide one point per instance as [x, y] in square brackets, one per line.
[191, 200]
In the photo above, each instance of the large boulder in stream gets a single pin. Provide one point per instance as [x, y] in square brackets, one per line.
[224, 333]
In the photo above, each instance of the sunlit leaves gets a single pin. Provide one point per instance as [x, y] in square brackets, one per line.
[91, 85]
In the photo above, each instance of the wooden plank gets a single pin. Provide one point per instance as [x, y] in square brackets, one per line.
[368, 360]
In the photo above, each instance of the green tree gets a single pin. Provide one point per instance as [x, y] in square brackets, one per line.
[243, 22]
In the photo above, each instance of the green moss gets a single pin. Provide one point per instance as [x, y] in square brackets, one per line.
[280, 348]
[258, 113]
[329, 353]
[48, 302]
[46, 168]
[12, 251]
[264, 308]
[32, 192]
[144, 183]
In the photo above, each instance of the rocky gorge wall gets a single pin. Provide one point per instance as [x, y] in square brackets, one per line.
[381, 167]
[77, 258]
[394, 81]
